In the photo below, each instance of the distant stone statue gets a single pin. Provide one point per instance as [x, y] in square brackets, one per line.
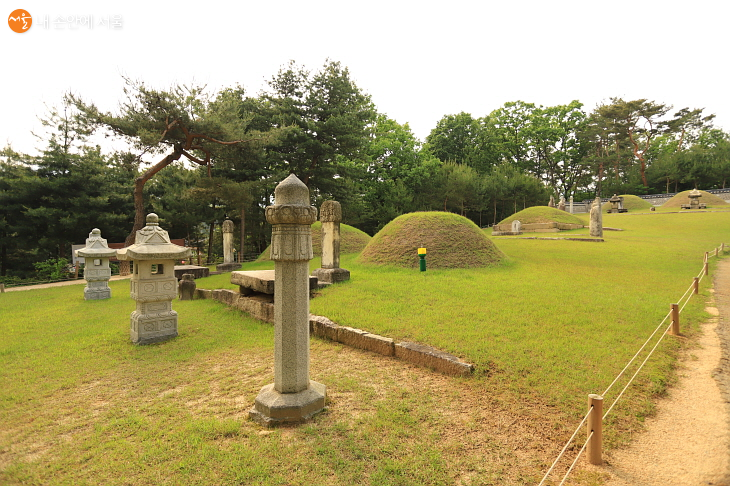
[552, 202]
[596, 225]
[186, 287]
[228, 264]
[561, 204]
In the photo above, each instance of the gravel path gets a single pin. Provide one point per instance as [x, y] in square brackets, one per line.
[687, 442]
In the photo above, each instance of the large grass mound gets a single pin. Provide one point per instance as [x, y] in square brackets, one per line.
[542, 214]
[632, 203]
[452, 241]
[352, 240]
[683, 198]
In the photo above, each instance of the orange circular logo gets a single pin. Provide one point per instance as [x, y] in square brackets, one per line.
[20, 21]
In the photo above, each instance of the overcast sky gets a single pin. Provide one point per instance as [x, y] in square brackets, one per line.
[418, 60]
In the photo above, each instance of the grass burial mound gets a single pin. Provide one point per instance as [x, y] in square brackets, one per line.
[352, 240]
[632, 203]
[452, 241]
[542, 214]
[683, 198]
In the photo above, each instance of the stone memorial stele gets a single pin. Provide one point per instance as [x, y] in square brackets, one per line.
[293, 397]
[153, 284]
[330, 214]
[96, 255]
[228, 264]
[596, 224]
[516, 227]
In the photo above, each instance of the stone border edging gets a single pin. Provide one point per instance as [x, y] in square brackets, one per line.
[426, 356]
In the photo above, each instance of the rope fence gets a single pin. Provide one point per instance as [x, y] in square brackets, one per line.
[594, 418]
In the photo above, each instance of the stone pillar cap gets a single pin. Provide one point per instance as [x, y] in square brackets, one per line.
[96, 247]
[153, 243]
[291, 191]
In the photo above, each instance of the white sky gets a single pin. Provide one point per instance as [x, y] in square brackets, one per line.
[418, 60]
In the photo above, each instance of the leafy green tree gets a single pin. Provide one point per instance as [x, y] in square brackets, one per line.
[181, 122]
[464, 140]
[326, 122]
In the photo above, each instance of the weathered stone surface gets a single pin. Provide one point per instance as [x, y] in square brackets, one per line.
[97, 273]
[561, 204]
[552, 202]
[255, 280]
[292, 397]
[186, 287]
[331, 275]
[516, 227]
[432, 358]
[153, 284]
[258, 306]
[330, 272]
[596, 225]
[203, 294]
[272, 407]
[322, 327]
[195, 270]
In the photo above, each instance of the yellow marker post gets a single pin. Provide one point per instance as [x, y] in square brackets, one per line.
[422, 257]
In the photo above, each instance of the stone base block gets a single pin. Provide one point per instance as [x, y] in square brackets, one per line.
[148, 329]
[227, 267]
[273, 408]
[331, 275]
[97, 294]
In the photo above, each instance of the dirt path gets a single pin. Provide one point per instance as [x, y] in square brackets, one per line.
[59, 284]
[687, 442]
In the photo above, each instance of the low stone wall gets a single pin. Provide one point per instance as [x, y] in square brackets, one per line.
[261, 306]
[506, 229]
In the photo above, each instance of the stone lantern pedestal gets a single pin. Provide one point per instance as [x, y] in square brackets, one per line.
[153, 284]
[292, 397]
[97, 273]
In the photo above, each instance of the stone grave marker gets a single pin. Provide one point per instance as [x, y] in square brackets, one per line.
[228, 264]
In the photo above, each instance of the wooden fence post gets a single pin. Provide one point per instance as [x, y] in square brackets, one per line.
[696, 285]
[717, 251]
[674, 330]
[595, 425]
[2, 288]
[707, 256]
[706, 268]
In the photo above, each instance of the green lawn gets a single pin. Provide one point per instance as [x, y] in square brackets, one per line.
[556, 321]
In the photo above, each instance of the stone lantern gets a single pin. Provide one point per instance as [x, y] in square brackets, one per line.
[694, 199]
[153, 284]
[97, 273]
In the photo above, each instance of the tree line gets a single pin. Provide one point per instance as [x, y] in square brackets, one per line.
[196, 157]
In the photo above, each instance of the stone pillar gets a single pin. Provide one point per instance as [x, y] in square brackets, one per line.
[97, 273]
[331, 215]
[153, 284]
[186, 287]
[596, 225]
[571, 204]
[228, 264]
[292, 397]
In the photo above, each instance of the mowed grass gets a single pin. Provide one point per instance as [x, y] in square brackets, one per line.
[555, 321]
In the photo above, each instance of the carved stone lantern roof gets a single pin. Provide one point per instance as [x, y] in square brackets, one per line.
[96, 247]
[694, 193]
[615, 199]
[153, 243]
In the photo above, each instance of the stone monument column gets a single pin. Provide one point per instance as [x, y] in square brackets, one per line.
[292, 397]
[228, 264]
[330, 215]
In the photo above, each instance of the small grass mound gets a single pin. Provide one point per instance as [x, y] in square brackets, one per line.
[632, 203]
[683, 198]
[352, 240]
[452, 241]
[542, 214]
